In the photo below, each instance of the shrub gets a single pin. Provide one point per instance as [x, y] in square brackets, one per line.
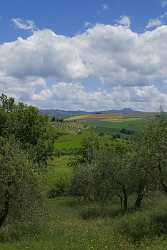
[60, 189]
[90, 213]
[99, 211]
[159, 219]
[136, 226]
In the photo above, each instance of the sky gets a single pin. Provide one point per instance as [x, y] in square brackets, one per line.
[85, 55]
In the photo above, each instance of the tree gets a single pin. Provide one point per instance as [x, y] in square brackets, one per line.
[3, 121]
[7, 103]
[89, 149]
[83, 182]
[150, 161]
[113, 168]
[20, 195]
[31, 129]
[105, 171]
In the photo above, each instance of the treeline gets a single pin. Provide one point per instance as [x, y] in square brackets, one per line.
[135, 166]
[26, 143]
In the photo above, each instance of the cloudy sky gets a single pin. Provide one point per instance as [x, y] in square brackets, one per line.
[85, 55]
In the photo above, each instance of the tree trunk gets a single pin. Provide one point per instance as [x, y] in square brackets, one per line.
[164, 186]
[125, 198]
[5, 210]
[121, 200]
[140, 195]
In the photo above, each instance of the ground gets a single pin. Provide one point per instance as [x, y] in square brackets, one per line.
[65, 230]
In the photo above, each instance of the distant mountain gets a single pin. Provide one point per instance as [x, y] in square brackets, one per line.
[65, 113]
[62, 113]
[125, 111]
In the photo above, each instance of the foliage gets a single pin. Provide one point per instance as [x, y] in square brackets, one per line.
[106, 172]
[60, 188]
[113, 167]
[26, 143]
[32, 130]
[144, 224]
[20, 191]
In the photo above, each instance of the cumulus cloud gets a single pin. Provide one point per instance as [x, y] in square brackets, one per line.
[87, 25]
[125, 21]
[44, 54]
[24, 24]
[154, 23]
[48, 69]
[75, 96]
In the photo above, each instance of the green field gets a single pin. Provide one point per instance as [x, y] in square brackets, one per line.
[58, 169]
[70, 141]
[109, 117]
[112, 123]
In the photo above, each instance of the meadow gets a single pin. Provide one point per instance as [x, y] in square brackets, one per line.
[65, 229]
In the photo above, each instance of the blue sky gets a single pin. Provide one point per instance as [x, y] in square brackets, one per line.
[91, 54]
[68, 17]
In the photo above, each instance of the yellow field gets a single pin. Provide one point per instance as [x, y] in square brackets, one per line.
[105, 117]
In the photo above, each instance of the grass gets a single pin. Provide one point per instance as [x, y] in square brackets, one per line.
[70, 142]
[76, 117]
[114, 127]
[58, 168]
[108, 117]
[66, 230]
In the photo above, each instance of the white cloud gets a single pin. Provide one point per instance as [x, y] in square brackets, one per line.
[156, 22]
[24, 24]
[153, 23]
[44, 54]
[45, 68]
[125, 21]
[74, 95]
[87, 24]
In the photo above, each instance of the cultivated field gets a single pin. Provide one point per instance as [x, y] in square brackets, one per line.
[112, 123]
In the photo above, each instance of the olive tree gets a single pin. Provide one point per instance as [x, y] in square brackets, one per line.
[20, 196]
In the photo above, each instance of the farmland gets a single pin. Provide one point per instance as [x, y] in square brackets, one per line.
[111, 123]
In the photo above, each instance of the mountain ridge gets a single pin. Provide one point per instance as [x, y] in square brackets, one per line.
[60, 113]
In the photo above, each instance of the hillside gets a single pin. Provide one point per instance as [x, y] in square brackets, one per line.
[67, 113]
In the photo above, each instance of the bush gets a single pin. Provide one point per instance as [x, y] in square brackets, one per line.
[159, 219]
[90, 213]
[60, 189]
[143, 224]
[136, 226]
[98, 211]
[18, 231]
